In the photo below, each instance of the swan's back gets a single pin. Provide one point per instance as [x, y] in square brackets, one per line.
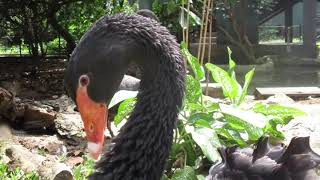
[267, 162]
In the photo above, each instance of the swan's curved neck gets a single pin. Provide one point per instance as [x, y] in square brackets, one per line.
[144, 142]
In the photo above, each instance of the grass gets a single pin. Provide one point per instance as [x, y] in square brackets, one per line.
[83, 170]
[13, 49]
[16, 174]
[80, 172]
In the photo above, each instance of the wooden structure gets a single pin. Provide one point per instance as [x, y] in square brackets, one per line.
[249, 21]
[293, 92]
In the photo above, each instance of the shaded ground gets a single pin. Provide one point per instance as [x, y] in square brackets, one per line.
[63, 139]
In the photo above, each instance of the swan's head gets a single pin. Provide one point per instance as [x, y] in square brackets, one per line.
[93, 75]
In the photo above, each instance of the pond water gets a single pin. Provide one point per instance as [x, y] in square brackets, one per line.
[284, 76]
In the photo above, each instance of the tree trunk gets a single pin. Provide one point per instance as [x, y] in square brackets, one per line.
[52, 20]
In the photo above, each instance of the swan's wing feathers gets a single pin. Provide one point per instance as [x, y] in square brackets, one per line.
[263, 166]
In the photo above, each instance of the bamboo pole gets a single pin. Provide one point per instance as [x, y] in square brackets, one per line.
[201, 29]
[182, 24]
[209, 53]
[187, 29]
[205, 31]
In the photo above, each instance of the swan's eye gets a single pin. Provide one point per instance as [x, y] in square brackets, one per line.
[91, 127]
[84, 80]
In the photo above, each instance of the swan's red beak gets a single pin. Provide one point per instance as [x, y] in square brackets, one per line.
[94, 116]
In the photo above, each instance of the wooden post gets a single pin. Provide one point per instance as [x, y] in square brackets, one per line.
[145, 4]
[288, 23]
[309, 28]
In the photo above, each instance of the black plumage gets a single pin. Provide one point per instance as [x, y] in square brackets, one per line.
[141, 148]
[104, 52]
[267, 162]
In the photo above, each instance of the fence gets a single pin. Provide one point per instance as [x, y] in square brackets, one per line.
[280, 34]
[14, 46]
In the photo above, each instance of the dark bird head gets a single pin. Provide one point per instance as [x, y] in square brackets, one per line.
[96, 68]
[99, 62]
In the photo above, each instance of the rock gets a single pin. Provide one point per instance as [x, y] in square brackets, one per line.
[73, 161]
[5, 132]
[38, 118]
[21, 157]
[47, 168]
[214, 90]
[50, 144]
[13, 86]
[69, 125]
[129, 83]
[280, 98]
[7, 105]
[308, 125]
[55, 171]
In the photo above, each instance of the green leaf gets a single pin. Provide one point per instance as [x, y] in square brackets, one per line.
[201, 177]
[208, 141]
[231, 135]
[232, 65]
[195, 117]
[248, 78]
[211, 106]
[271, 127]
[193, 62]
[125, 108]
[248, 121]
[193, 89]
[236, 123]
[278, 110]
[249, 116]
[187, 173]
[230, 87]
[120, 96]
[195, 107]
[192, 15]
[202, 123]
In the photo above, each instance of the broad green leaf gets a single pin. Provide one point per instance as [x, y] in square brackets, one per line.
[236, 123]
[192, 16]
[249, 116]
[211, 106]
[278, 110]
[193, 62]
[202, 123]
[208, 141]
[248, 78]
[187, 146]
[195, 107]
[230, 87]
[201, 177]
[120, 96]
[183, 19]
[195, 117]
[187, 173]
[231, 135]
[271, 128]
[232, 65]
[193, 89]
[125, 108]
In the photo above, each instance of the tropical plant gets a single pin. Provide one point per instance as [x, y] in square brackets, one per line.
[205, 123]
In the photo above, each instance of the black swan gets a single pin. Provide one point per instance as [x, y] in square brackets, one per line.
[267, 162]
[94, 73]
